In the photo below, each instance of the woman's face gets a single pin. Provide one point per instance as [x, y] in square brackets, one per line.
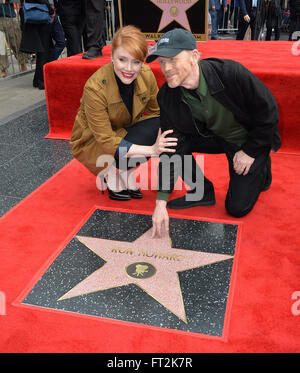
[126, 67]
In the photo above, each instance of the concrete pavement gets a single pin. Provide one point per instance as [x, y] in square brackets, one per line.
[17, 96]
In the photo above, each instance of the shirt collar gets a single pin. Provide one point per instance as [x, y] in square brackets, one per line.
[202, 89]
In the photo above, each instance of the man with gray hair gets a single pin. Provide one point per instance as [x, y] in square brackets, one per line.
[213, 106]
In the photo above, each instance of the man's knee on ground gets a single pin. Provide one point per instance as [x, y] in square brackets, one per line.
[237, 210]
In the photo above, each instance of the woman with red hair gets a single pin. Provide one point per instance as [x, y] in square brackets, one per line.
[111, 128]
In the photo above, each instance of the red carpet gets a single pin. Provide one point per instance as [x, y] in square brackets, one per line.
[273, 63]
[262, 311]
[267, 268]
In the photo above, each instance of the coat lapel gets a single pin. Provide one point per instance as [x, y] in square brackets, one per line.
[114, 100]
[218, 90]
[139, 97]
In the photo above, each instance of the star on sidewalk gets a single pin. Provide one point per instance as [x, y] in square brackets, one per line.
[150, 263]
[174, 11]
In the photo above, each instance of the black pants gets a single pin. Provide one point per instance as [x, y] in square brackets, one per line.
[276, 31]
[243, 191]
[73, 28]
[142, 133]
[42, 57]
[94, 24]
[243, 25]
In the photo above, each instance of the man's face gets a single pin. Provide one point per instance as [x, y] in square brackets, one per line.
[178, 70]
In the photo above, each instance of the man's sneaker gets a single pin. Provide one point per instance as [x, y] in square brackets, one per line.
[181, 202]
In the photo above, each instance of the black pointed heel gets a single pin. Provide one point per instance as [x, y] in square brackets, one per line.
[119, 196]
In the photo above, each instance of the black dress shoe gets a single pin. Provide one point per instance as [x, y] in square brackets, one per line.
[35, 84]
[92, 53]
[41, 85]
[135, 193]
[123, 195]
[119, 196]
[181, 202]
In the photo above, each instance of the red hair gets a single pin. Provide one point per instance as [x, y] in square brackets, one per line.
[133, 40]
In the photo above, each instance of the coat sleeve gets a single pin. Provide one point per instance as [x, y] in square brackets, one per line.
[262, 105]
[243, 9]
[95, 109]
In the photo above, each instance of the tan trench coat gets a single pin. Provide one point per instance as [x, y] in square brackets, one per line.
[102, 118]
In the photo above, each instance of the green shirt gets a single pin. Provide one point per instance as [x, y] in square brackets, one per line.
[217, 118]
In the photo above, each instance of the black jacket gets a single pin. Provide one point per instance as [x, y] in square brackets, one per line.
[69, 8]
[240, 91]
[246, 8]
[273, 13]
[294, 6]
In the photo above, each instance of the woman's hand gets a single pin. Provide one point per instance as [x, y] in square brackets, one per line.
[163, 143]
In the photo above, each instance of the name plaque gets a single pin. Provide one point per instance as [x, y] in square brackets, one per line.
[156, 17]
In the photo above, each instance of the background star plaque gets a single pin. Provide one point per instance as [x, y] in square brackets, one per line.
[155, 17]
[111, 268]
[174, 12]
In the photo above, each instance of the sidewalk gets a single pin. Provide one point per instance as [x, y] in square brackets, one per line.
[17, 95]
[27, 159]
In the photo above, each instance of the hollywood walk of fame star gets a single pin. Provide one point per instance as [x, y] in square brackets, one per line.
[152, 264]
[174, 10]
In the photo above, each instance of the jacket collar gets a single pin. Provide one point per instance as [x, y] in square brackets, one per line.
[212, 79]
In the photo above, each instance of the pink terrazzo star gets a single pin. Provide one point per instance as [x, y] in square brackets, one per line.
[152, 264]
[174, 11]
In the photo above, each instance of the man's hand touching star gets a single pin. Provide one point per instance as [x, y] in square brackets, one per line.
[160, 219]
